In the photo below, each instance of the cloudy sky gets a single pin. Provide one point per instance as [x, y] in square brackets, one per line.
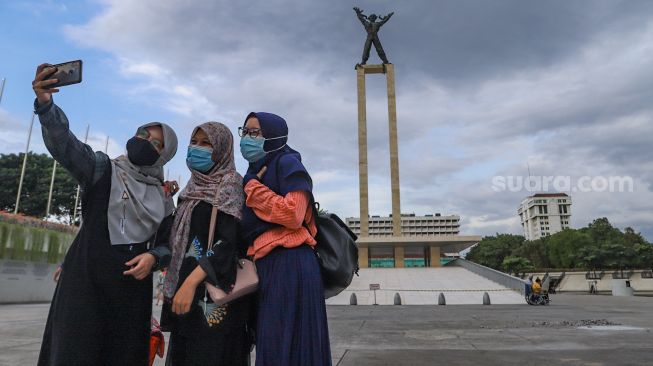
[485, 89]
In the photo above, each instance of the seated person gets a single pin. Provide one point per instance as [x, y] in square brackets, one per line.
[537, 286]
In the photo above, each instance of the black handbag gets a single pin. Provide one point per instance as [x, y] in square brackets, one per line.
[336, 251]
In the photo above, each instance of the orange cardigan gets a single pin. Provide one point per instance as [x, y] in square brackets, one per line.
[290, 211]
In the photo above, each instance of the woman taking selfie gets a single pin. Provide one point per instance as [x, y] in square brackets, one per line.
[212, 335]
[278, 226]
[101, 309]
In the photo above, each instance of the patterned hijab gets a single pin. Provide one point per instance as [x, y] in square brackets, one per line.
[221, 186]
[137, 203]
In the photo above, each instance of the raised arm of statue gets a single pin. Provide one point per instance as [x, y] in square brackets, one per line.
[386, 18]
[361, 17]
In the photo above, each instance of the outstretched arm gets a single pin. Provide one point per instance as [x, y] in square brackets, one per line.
[386, 18]
[361, 17]
[77, 157]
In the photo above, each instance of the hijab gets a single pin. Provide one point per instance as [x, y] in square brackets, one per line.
[137, 202]
[285, 171]
[221, 186]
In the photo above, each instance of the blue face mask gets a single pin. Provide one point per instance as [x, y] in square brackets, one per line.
[252, 148]
[199, 158]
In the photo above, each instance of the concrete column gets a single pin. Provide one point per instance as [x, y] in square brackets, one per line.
[363, 257]
[435, 256]
[362, 152]
[394, 150]
[399, 257]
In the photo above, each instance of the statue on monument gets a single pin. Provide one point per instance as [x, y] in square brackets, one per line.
[372, 27]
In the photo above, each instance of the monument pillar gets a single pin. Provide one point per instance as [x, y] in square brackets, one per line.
[394, 150]
[388, 70]
[362, 153]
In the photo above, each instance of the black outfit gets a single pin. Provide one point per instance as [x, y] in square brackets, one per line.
[98, 316]
[193, 341]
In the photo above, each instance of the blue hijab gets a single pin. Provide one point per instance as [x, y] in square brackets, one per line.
[285, 171]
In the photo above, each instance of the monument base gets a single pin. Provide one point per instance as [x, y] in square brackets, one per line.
[409, 251]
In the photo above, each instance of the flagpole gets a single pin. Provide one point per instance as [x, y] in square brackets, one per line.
[22, 172]
[2, 88]
[78, 187]
[54, 171]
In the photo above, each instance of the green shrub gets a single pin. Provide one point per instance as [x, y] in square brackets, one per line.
[27, 243]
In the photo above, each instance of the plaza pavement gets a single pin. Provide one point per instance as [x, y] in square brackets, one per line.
[619, 333]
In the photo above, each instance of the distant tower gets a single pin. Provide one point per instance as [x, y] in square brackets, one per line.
[543, 214]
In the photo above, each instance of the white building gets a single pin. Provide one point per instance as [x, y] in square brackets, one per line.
[423, 241]
[543, 214]
[411, 225]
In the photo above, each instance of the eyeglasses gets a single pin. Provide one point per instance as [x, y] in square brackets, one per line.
[254, 132]
[144, 134]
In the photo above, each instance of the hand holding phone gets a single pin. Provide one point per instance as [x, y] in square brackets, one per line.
[42, 88]
[49, 77]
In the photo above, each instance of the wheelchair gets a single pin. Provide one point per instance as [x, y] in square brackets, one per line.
[538, 299]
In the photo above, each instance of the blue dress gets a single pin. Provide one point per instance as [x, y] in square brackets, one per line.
[292, 327]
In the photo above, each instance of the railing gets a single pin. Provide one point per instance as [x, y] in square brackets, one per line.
[592, 275]
[622, 275]
[501, 278]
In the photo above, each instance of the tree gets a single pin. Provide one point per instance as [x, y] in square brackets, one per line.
[619, 256]
[36, 186]
[535, 251]
[563, 248]
[516, 264]
[592, 257]
[599, 245]
[602, 232]
[492, 250]
[632, 238]
[643, 255]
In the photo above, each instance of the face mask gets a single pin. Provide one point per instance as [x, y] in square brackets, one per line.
[252, 148]
[141, 152]
[199, 158]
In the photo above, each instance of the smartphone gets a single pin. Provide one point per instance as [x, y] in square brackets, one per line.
[67, 73]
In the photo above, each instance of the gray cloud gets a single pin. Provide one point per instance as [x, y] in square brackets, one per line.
[482, 87]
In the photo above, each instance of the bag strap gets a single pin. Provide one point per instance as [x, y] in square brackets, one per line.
[314, 207]
[214, 219]
[209, 242]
